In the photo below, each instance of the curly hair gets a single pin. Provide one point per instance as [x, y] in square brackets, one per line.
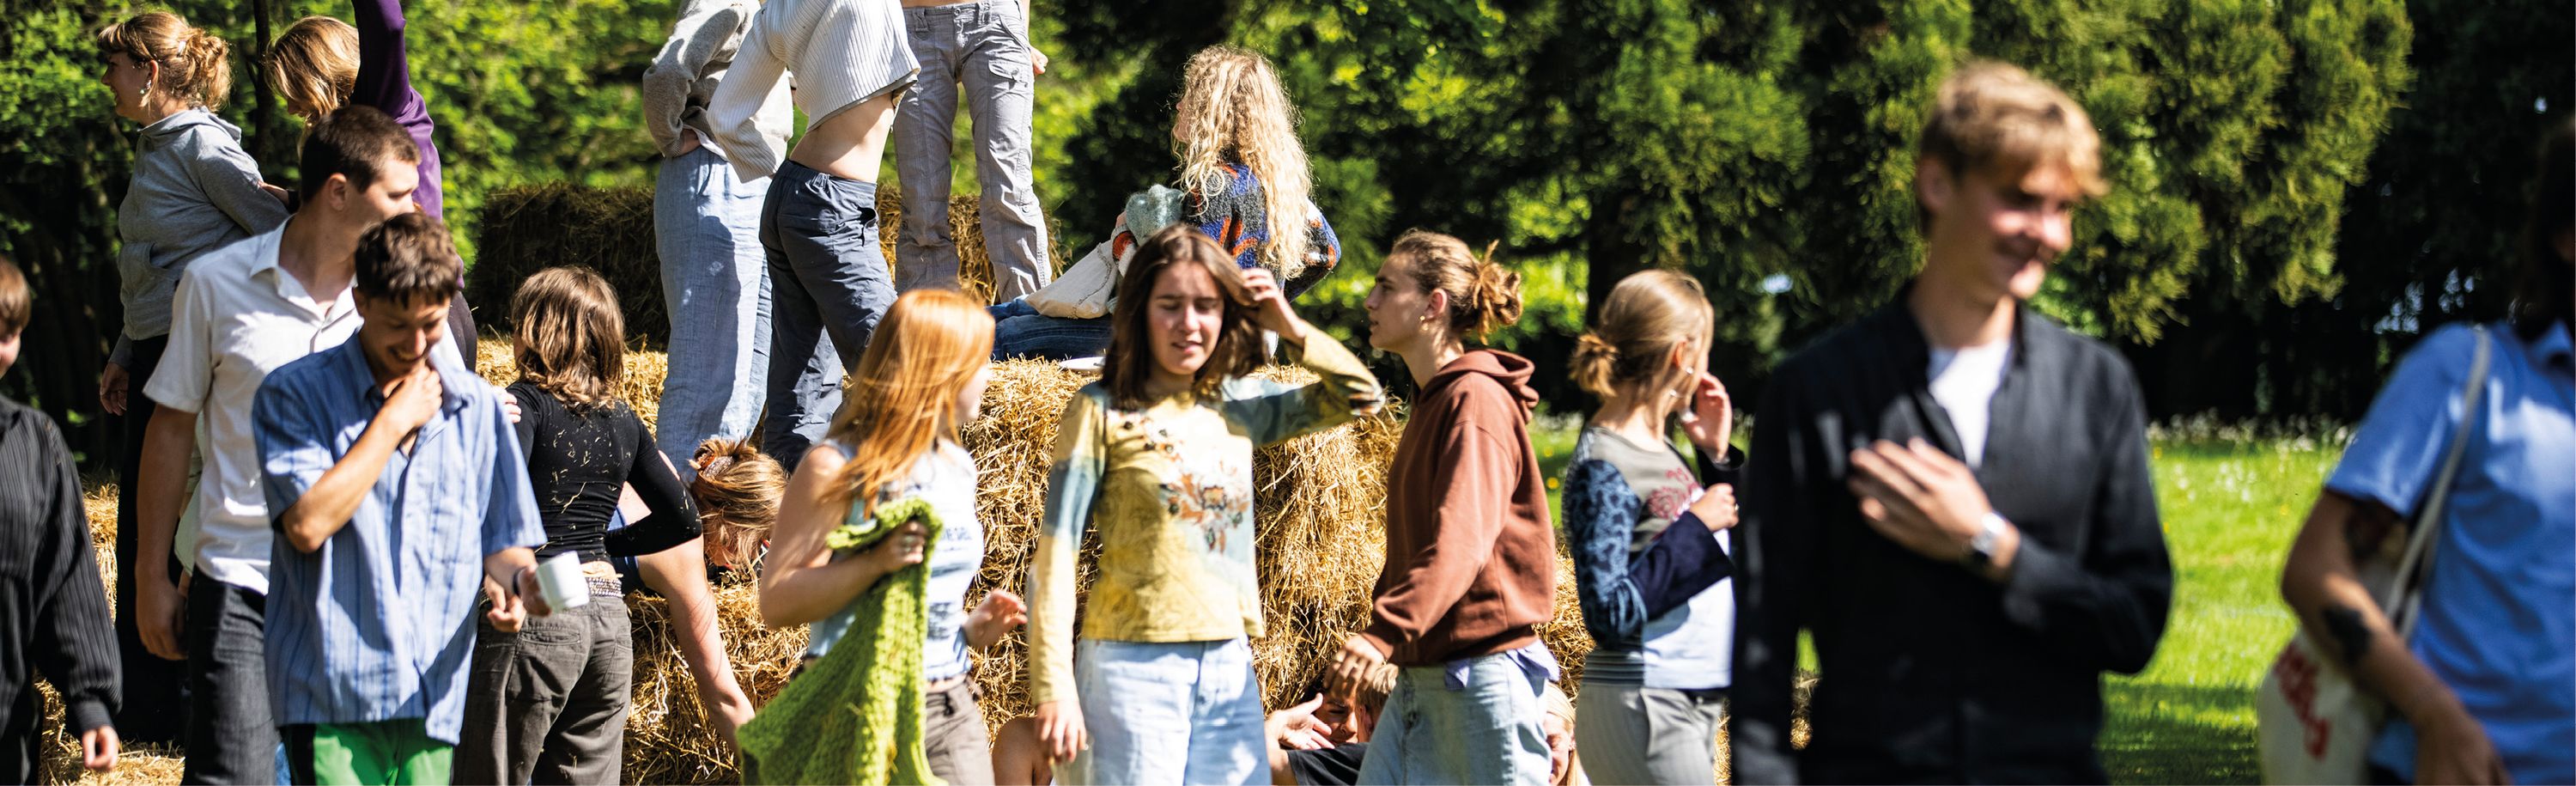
[1232, 110]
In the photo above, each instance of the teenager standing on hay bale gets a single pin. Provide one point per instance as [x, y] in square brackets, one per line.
[1470, 557]
[241, 312]
[1649, 543]
[706, 223]
[895, 444]
[321, 64]
[1953, 494]
[53, 613]
[1244, 184]
[1157, 456]
[549, 701]
[818, 225]
[401, 500]
[194, 190]
[985, 44]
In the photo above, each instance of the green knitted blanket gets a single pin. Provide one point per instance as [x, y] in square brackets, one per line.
[854, 715]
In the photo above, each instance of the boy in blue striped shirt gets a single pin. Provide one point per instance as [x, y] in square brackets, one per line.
[399, 490]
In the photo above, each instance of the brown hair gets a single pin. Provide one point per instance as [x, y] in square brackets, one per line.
[2547, 289]
[903, 396]
[17, 305]
[356, 143]
[1645, 316]
[1131, 361]
[408, 259]
[192, 60]
[1997, 118]
[1482, 295]
[737, 489]
[314, 66]
[571, 339]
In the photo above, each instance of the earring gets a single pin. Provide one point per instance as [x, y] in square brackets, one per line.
[143, 92]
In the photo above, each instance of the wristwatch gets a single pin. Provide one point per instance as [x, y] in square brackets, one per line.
[1981, 546]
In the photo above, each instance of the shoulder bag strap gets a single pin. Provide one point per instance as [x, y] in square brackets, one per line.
[2406, 593]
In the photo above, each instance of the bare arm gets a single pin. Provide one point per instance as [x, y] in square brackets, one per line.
[161, 489]
[679, 574]
[800, 582]
[2322, 584]
[326, 507]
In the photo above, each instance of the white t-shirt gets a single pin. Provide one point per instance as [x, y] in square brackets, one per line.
[236, 317]
[1964, 381]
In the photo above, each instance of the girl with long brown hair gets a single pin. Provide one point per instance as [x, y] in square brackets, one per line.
[1243, 182]
[895, 439]
[1157, 456]
[549, 701]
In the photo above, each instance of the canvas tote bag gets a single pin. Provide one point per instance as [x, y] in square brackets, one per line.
[2313, 723]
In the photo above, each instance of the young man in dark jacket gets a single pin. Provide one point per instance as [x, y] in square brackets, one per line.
[53, 609]
[1952, 494]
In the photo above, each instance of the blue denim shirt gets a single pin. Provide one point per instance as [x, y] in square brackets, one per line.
[2496, 625]
[378, 624]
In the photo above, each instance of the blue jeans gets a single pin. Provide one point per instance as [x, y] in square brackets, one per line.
[715, 286]
[984, 45]
[1488, 732]
[1020, 331]
[827, 288]
[1188, 712]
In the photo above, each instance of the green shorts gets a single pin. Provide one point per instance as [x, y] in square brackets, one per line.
[383, 752]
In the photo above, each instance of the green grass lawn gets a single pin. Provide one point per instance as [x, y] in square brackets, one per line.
[2230, 509]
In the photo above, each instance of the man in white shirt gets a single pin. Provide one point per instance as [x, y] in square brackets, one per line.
[241, 312]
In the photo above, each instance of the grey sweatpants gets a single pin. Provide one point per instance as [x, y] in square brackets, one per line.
[985, 46]
[548, 704]
[1637, 734]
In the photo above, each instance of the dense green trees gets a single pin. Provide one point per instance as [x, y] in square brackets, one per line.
[2299, 185]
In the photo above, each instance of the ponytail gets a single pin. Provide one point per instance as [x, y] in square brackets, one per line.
[1644, 318]
[1483, 296]
[210, 73]
[193, 62]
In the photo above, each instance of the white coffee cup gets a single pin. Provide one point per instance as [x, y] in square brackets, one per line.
[560, 581]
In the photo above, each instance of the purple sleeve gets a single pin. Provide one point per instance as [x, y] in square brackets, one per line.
[384, 82]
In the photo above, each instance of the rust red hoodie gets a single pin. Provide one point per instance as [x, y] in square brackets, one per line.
[1470, 557]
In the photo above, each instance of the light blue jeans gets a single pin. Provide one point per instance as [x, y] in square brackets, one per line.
[1171, 713]
[715, 285]
[1487, 732]
[985, 46]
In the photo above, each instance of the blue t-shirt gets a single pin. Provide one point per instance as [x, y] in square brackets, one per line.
[2498, 620]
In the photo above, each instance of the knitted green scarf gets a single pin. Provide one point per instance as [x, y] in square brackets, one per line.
[854, 715]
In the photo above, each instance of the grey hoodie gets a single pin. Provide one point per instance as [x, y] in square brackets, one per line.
[194, 191]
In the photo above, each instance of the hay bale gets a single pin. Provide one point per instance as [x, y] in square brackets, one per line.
[641, 387]
[530, 228]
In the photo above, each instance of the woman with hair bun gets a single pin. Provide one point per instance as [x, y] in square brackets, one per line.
[1470, 557]
[194, 190]
[1648, 541]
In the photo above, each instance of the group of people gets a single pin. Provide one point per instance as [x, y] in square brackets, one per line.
[1951, 496]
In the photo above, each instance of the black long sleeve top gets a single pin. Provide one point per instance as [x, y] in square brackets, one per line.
[53, 608]
[577, 465]
[1930, 673]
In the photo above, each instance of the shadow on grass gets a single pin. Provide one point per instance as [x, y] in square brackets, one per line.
[2159, 733]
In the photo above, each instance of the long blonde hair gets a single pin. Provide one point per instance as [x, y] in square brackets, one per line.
[1646, 315]
[570, 336]
[902, 398]
[314, 66]
[193, 64]
[1233, 110]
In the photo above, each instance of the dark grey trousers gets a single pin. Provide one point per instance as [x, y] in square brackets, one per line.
[548, 704]
[231, 735]
[827, 289]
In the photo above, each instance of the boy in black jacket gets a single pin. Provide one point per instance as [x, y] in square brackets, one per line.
[53, 609]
